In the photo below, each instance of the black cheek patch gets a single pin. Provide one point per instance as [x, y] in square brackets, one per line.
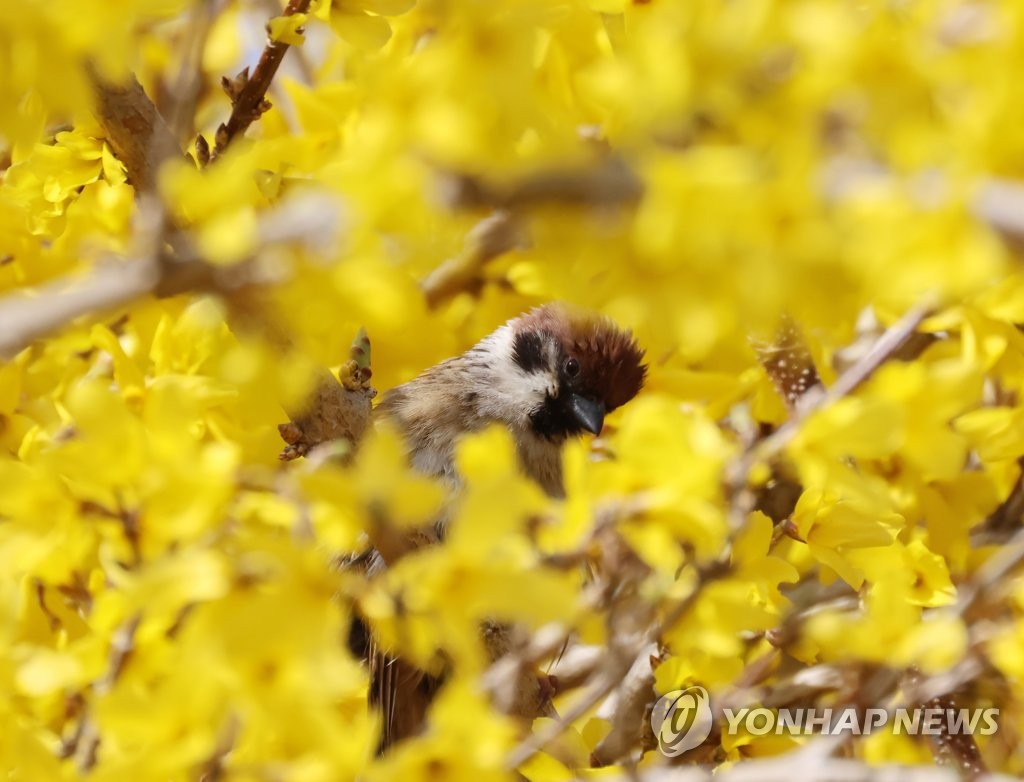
[528, 351]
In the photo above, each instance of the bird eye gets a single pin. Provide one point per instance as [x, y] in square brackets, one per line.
[572, 367]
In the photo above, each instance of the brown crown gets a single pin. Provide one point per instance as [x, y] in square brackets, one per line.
[610, 358]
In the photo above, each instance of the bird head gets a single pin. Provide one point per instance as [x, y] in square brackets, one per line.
[571, 369]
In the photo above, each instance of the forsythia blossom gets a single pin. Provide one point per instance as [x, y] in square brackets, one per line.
[170, 602]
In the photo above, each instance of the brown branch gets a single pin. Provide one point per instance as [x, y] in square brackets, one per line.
[979, 589]
[212, 769]
[491, 237]
[1006, 519]
[121, 647]
[28, 315]
[611, 182]
[620, 662]
[143, 143]
[135, 130]
[1000, 203]
[854, 377]
[84, 746]
[249, 93]
[87, 744]
[762, 450]
[627, 707]
[576, 666]
[332, 413]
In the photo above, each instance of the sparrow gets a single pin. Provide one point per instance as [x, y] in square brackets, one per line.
[548, 375]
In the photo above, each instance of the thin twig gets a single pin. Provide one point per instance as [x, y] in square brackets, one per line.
[816, 400]
[188, 85]
[121, 647]
[999, 565]
[614, 675]
[249, 93]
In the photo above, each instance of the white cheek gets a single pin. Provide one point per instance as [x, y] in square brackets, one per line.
[523, 391]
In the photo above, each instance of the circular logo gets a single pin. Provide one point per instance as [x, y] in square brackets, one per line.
[681, 720]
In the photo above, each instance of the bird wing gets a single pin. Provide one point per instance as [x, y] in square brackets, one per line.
[401, 692]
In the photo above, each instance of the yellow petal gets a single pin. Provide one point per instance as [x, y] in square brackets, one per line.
[362, 30]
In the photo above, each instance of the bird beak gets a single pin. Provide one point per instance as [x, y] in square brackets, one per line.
[588, 413]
